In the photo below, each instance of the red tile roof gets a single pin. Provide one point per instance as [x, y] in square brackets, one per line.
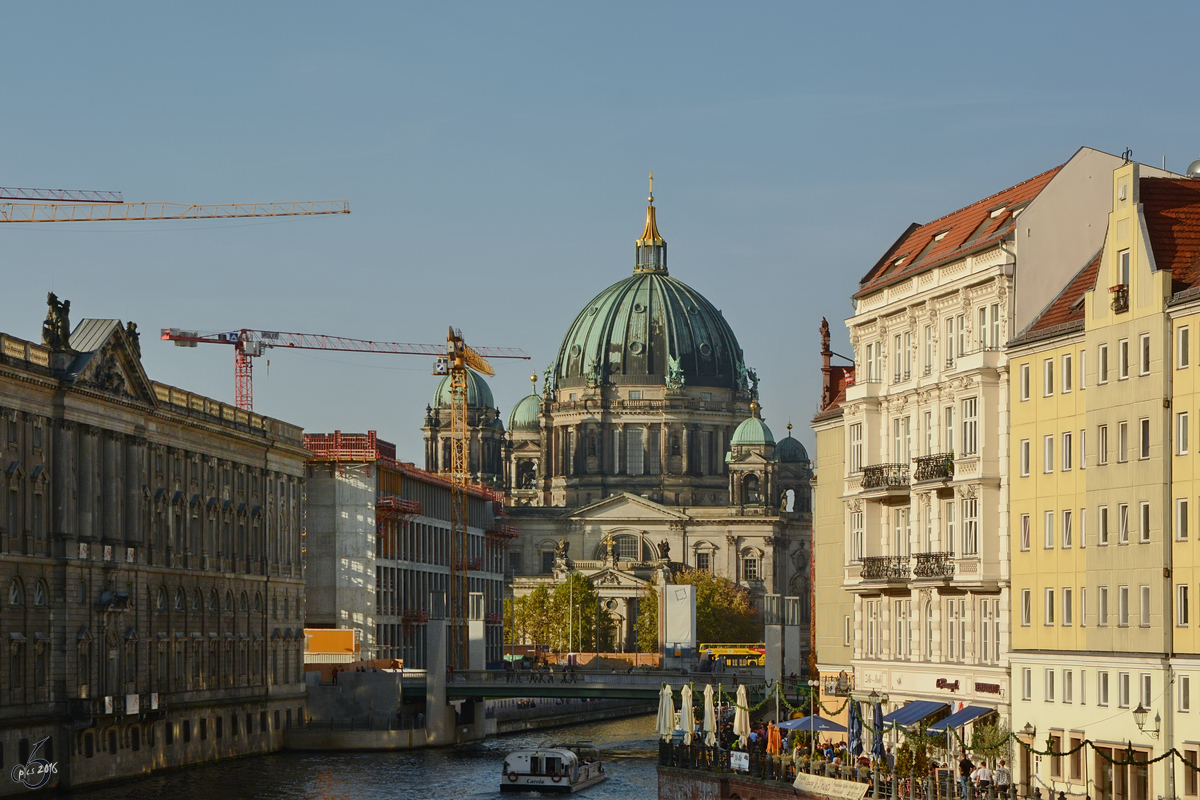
[1172, 210]
[1065, 312]
[965, 232]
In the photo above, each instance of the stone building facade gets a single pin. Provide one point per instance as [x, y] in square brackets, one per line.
[150, 559]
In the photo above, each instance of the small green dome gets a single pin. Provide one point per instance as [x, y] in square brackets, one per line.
[479, 395]
[752, 432]
[524, 416]
[790, 451]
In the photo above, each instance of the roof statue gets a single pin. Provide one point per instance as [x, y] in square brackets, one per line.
[675, 377]
[135, 344]
[753, 377]
[56, 330]
[664, 550]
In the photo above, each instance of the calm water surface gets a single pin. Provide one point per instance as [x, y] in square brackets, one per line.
[628, 747]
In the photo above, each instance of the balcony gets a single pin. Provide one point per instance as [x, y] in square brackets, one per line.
[934, 565]
[885, 568]
[1120, 298]
[939, 467]
[886, 477]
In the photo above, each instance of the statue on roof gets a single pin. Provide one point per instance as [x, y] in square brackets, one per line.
[56, 330]
[752, 376]
[741, 376]
[131, 334]
[675, 378]
[664, 550]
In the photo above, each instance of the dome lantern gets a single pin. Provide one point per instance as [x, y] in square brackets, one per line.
[651, 248]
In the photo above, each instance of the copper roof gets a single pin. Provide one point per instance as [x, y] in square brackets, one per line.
[953, 236]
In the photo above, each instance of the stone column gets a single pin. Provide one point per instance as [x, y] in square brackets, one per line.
[684, 449]
[664, 448]
[64, 488]
[135, 456]
[86, 476]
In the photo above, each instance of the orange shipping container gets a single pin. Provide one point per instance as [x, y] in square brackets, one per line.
[330, 640]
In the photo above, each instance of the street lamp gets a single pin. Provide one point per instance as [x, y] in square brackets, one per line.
[1139, 716]
[1029, 731]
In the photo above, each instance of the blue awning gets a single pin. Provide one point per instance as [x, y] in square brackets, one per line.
[812, 724]
[912, 713]
[960, 718]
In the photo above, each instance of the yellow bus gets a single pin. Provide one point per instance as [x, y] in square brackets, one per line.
[737, 655]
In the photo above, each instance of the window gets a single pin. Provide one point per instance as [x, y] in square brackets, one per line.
[1048, 530]
[1144, 531]
[929, 434]
[633, 451]
[1055, 742]
[1049, 679]
[1144, 353]
[1147, 684]
[896, 350]
[1066, 373]
[989, 651]
[1123, 689]
[1048, 454]
[1067, 517]
[1102, 367]
[1185, 705]
[1066, 451]
[750, 568]
[970, 426]
[949, 428]
[1122, 359]
[948, 516]
[872, 375]
[1123, 606]
[1102, 689]
[971, 527]
[1182, 351]
[1102, 612]
[1083, 369]
[928, 349]
[1024, 531]
[1122, 441]
[1083, 606]
[1144, 606]
[1024, 458]
[1102, 519]
[872, 627]
[1082, 528]
[1048, 611]
[956, 614]
[1181, 433]
[1067, 606]
[949, 342]
[846, 631]
[962, 334]
[1123, 258]
[1026, 683]
[1102, 452]
[1048, 377]
[856, 443]
[1083, 687]
[704, 561]
[856, 535]
[1181, 519]
[1144, 443]
[1181, 605]
[1024, 382]
[635, 394]
[1026, 611]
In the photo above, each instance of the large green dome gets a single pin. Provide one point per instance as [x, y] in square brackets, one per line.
[752, 432]
[524, 416]
[479, 395]
[790, 450]
[634, 328]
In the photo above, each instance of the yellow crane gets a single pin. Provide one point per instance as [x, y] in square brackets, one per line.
[73, 205]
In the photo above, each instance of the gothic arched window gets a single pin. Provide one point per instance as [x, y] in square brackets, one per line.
[750, 493]
[16, 593]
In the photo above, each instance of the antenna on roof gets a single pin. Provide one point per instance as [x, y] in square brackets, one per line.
[1127, 155]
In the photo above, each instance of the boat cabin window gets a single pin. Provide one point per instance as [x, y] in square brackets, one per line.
[535, 765]
[553, 765]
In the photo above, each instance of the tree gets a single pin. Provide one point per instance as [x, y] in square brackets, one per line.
[725, 612]
[574, 617]
[647, 621]
[990, 740]
[532, 617]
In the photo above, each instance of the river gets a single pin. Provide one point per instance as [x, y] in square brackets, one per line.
[628, 747]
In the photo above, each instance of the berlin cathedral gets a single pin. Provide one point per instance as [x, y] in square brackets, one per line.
[645, 453]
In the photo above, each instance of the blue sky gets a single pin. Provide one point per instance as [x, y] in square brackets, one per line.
[495, 160]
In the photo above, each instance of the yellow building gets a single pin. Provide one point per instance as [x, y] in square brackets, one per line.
[1101, 389]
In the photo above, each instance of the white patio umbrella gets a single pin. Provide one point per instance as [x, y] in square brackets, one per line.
[665, 725]
[741, 717]
[687, 716]
[710, 717]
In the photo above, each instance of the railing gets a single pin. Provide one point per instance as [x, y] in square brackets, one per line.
[884, 476]
[881, 784]
[883, 568]
[934, 565]
[939, 467]
[569, 675]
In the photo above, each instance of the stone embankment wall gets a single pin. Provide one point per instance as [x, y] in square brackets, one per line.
[553, 716]
[683, 784]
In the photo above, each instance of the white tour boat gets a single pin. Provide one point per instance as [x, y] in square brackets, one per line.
[560, 768]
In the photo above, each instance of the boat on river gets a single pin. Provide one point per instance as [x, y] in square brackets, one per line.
[558, 769]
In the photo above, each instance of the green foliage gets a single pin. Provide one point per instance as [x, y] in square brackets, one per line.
[647, 622]
[725, 612]
[990, 740]
[912, 758]
[564, 619]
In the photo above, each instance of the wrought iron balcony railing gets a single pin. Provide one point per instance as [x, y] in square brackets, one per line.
[939, 467]
[884, 568]
[884, 476]
[1120, 298]
[934, 565]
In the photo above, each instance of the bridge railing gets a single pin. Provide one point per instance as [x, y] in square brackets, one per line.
[599, 678]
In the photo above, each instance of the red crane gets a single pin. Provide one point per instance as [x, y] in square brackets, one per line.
[249, 344]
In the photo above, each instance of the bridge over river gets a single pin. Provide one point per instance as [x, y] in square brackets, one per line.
[485, 684]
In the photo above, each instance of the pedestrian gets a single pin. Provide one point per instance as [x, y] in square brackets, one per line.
[1003, 778]
[983, 777]
[891, 759]
[335, 671]
[965, 768]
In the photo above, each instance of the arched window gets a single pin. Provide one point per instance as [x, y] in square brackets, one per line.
[750, 492]
[179, 599]
[197, 601]
[243, 603]
[160, 602]
[258, 606]
[628, 547]
[16, 593]
[789, 500]
[212, 600]
[39, 594]
[229, 601]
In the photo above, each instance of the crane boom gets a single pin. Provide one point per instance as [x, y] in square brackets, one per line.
[61, 195]
[111, 211]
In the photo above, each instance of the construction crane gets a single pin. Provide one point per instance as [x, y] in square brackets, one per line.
[454, 359]
[249, 344]
[74, 205]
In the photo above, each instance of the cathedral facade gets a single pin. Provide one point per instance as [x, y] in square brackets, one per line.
[646, 453]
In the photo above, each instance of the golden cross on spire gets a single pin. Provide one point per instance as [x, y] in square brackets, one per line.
[651, 186]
